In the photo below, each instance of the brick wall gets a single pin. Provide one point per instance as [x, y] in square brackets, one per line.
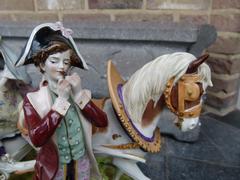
[223, 14]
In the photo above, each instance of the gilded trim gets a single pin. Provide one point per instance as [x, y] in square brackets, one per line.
[181, 112]
[114, 79]
[132, 145]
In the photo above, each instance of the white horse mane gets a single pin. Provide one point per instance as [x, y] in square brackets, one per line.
[149, 82]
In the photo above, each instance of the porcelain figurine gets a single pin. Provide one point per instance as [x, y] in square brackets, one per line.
[59, 115]
[172, 82]
[14, 83]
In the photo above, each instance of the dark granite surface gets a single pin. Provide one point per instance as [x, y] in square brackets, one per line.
[128, 45]
[215, 156]
[232, 118]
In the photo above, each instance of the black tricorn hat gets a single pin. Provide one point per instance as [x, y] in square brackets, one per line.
[42, 36]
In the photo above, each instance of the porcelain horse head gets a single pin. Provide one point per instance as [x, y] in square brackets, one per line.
[184, 98]
[177, 80]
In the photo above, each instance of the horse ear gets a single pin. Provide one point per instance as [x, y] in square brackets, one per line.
[193, 66]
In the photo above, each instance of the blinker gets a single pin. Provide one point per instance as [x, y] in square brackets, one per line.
[188, 90]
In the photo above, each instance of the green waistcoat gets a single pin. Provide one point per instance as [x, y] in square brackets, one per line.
[70, 138]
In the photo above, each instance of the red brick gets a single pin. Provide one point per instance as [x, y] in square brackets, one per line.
[178, 4]
[86, 18]
[226, 22]
[59, 4]
[224, 65]
[4, 18]
[194, 19]
[225, 4]
[144, 18]
[17, 5]
[230, 85]
[226, 45]
[219, 111]
[221, 102]
[36, 17]
[115, 4]
[28, 18]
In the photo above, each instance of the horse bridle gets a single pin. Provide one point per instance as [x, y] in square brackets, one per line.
[188, 90]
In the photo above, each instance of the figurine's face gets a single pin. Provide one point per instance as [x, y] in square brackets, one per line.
[57, 65]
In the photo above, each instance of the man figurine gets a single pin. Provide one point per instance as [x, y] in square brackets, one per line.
[59, 116]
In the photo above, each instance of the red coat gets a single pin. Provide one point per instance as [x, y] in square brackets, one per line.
[40, 131]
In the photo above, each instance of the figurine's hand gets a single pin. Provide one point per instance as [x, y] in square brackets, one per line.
[63, 88]
[75, 82]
